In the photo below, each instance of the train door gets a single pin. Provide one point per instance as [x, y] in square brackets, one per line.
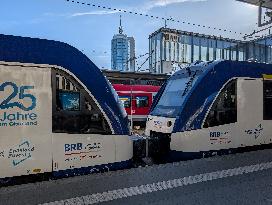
[25, 119]
[250, 112]
[221, 119]
[82, 136]
[267, 107]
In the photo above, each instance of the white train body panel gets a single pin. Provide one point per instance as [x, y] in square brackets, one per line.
[201, 140]
[27, 143]
[25, 136]
[123, 148]
[76, 151]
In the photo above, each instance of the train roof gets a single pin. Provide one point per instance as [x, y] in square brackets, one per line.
[213, 77]
[193, 67]
[54, 53]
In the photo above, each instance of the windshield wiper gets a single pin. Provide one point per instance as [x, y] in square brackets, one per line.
[190, 82]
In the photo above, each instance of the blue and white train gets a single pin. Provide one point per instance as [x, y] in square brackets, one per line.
[212, 108]
[58, 113]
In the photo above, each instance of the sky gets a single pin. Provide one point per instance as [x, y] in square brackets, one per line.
[90, 29]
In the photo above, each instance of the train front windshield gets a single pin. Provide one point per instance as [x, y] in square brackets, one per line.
[176, 90]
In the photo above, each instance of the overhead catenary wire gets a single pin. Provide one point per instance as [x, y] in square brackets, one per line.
[154, 17]
[140, 67]
[135, 58]
[149, 56]
[255, 32]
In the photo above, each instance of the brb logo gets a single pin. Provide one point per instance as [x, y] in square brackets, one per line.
[73, 147]
[220, 137]
[215, 134]
[82, 151]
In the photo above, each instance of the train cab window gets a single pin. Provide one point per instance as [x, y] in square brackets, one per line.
[126, 101]
[224, 109]
[141, 101]
[267, 89]
[74, 110]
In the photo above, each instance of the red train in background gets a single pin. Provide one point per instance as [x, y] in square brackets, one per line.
[142, 98]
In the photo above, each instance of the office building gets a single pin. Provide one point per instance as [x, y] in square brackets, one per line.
[169, 46]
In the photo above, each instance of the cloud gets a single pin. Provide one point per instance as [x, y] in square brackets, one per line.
[103, 12]
[167, 2]
[161, 3]
[49, 14]
[78, 14]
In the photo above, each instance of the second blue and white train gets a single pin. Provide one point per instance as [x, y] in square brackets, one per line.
[212, 108]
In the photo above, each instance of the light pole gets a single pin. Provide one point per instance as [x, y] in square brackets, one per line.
[131, 103]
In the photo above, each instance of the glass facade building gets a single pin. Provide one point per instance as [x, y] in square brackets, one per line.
[122, 53]
[119, 52]
[169, 46]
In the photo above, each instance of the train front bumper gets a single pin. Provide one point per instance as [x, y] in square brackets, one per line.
[156, 146]
[159, 145]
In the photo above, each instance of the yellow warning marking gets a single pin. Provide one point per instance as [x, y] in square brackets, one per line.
[265, 76]
[37, 170]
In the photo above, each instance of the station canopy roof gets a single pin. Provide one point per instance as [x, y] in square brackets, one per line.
[266, 4]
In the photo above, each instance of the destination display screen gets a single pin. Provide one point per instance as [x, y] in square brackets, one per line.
[69, 100]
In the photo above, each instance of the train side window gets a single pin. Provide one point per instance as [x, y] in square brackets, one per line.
[126, 101]
[74, 110]
[267, 90]
[224, 109]
[141, 101]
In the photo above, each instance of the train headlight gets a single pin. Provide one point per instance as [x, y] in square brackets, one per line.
[169, 124]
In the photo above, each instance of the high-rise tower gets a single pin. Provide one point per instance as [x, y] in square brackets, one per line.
[122, 51]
